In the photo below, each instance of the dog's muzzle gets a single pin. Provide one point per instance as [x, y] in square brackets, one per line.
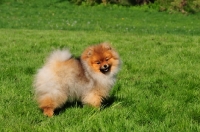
[105, 68]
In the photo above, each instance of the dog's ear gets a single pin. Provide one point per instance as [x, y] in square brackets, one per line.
[87, 53]
[106, 46]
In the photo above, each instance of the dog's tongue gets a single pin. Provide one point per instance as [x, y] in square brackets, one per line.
[104, 70]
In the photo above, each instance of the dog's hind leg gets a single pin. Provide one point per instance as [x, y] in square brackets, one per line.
[48, 104]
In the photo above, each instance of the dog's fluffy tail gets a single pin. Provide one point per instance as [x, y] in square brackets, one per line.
[59, 56]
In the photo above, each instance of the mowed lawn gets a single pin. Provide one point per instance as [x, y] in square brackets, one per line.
[157, 87]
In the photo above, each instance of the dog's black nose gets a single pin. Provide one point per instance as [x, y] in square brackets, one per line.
[105, 66]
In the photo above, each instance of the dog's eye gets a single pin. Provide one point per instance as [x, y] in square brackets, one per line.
[107, 59]
[98, 62]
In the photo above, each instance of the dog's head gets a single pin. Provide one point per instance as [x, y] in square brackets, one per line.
[101, 58]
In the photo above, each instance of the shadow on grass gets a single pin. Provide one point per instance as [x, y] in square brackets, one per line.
[76, 104]
[108, 102]
[105, 104]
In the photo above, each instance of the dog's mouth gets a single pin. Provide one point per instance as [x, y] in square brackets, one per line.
[104, 69]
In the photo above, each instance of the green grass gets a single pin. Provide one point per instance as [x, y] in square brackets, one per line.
[157, 87]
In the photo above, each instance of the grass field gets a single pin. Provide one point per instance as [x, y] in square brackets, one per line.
[157, 87]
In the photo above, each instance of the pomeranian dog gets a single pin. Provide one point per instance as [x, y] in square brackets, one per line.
[88, 79]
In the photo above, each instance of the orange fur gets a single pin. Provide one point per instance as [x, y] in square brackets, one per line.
[47, 105]
[64, 78]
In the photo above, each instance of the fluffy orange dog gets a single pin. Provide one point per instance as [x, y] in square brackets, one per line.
[88, 79]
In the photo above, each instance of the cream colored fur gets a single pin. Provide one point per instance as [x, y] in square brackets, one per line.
[64, 78]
